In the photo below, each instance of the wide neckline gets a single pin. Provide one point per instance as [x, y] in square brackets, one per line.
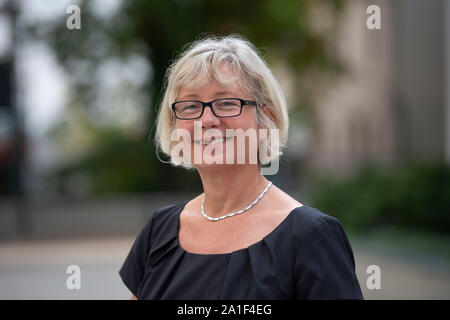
[177, 231]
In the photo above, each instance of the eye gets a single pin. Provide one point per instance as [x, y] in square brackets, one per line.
[191, 107]
[227, 103]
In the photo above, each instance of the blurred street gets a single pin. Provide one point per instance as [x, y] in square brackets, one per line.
[38, 270]
[35, 268]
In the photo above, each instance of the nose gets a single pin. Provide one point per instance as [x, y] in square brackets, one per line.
[208, 118]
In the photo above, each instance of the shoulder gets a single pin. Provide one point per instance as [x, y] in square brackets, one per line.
[168, 210]
[316, 231]
[167, 214]
[161, 219]
[324, 260]
[304, 217]
[307, 220]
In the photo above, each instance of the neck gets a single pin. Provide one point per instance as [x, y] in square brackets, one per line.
[231, 188]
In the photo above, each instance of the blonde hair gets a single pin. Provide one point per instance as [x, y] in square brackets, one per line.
[201, 62]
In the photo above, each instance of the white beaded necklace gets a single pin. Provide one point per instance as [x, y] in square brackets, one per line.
[237, 212]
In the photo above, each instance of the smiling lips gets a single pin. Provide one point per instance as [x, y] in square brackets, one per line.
[213, 141]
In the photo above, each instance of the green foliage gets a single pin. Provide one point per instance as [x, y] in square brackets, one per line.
[122, 164]
[415, 196]
[160, 29]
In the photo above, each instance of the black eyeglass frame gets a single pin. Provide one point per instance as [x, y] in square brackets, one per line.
[210, 103]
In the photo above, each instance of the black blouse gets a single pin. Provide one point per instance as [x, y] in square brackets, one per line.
[307, 256]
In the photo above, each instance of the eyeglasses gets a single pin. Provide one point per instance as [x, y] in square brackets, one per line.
[222, 108]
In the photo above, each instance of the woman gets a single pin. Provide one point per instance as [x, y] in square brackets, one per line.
[243, 238]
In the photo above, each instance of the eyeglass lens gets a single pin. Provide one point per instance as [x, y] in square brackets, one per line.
[222, 108]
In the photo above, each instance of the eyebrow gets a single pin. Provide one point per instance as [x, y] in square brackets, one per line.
[228, 94]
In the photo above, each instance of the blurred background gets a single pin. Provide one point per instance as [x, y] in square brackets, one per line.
[369, 132]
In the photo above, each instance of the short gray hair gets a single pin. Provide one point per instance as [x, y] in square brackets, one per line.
[199, 63]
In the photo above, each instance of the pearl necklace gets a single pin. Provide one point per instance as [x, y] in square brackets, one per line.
[237, 212]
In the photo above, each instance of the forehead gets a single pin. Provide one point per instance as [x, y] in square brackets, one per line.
[211, 89]
[207, 79]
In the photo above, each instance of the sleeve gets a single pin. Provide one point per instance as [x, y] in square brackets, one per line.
[132, 270]
[325, 266]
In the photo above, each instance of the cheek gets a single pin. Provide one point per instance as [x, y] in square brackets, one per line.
[185, 126]
[246, 122]
[183, 133]
[251, 117]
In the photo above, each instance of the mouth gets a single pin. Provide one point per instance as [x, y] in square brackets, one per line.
[213, 141]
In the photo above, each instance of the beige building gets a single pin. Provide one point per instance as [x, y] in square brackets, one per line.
[390, 105]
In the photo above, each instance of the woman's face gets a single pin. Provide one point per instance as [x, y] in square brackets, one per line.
[236, 148]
